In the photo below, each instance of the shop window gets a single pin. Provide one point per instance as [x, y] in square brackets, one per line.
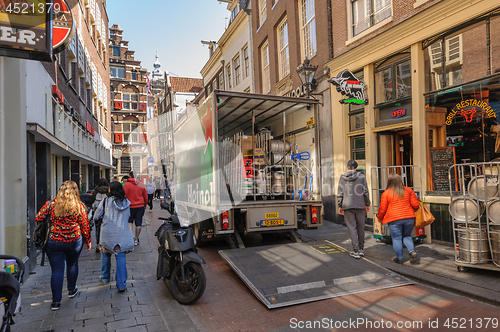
[358, 148]
[393, 82]
[367, 13]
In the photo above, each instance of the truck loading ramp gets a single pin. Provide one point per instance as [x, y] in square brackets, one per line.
[283, 275]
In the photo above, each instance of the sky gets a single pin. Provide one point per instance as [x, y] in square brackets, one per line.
[173, 28]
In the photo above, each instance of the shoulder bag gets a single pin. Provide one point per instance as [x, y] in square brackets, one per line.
[42, 230]
[423, 217]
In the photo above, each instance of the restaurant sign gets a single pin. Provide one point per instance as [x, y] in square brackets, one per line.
[469, 109]
[352, 87]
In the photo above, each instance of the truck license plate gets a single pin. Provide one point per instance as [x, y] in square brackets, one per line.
[274, 222]
[272, 215]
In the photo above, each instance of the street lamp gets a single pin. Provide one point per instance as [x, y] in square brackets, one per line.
[306, 73]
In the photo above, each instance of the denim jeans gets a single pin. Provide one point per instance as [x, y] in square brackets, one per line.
[400, 233]
[121, 269]
[62, 254]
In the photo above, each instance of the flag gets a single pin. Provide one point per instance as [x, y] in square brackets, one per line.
[148, 91]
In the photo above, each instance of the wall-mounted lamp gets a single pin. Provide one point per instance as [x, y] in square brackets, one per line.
[306, 73]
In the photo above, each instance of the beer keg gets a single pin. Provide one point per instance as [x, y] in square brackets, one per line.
[495, 243]
[483, 188]
[473, 246]
[464, 209]
[493, 209]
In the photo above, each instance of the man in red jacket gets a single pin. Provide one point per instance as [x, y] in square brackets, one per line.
[135, 191]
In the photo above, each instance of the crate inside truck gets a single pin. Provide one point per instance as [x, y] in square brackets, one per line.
[248, 163]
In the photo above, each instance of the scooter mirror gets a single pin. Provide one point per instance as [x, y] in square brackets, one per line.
[165, 205]
[175, 219]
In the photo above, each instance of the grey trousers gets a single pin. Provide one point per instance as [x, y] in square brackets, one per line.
[355, 221]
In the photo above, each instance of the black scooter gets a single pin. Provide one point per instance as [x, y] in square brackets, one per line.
[179, 265]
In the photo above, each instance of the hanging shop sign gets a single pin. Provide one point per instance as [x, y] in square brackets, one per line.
[469, 109]
[351, 87]
[25, 29]
[90, 128]
[63, 26]
[398, 113]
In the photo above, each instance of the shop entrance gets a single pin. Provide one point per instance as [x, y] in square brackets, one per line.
[395, 148]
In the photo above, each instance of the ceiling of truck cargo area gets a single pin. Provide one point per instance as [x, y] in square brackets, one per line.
[234, 110]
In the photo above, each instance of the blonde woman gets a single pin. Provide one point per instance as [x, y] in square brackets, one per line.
[397, 209]
[69, 232]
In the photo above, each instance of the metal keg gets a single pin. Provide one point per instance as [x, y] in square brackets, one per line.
[483, 187]
[278, 159]
[495, 243]
[464, 208]
[473, 245]
[493, 209]
[277, 183]
[279, 146]
[260, 182]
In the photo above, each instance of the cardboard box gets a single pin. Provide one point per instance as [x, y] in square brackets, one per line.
[259, 158]
[246, 146]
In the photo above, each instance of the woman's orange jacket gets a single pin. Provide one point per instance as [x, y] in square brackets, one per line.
[393, 207]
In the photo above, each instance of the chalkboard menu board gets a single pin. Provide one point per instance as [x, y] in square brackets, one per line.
[441, 161]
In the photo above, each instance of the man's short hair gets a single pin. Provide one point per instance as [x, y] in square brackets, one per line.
[131, 174]
[352, 164]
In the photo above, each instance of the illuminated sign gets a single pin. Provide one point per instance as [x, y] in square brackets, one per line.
[25, 29]
[398, 113]
[469, 109]
[352, 87]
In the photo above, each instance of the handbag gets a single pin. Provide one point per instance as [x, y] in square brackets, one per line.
[42, 230]
[423, 217]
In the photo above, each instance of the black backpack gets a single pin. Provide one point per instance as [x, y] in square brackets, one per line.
[42, 230]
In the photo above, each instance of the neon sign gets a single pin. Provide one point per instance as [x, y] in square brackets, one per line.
[398, 113]
[349, 85]
[469, 108]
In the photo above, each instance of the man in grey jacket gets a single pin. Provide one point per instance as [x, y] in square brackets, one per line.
[354, 202]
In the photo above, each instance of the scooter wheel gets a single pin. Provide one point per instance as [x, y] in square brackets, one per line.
[190, 291]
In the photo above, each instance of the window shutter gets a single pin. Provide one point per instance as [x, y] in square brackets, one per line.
[118, 105]
[142, 138]
[435, 55]
[454, 50]
[142, 106]
[118, 138]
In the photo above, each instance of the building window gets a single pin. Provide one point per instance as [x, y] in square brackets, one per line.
[136, 164]
[221, 80]
[237, 70]
[358, 148]
[117, 72]
[283, 50]
[367, 13]
[234, 12]
[246, 61]
[229, 83]
[266, 79]
[262, 11]
[117, 51]
[134, 76]
[308, 28]
[451, 52]
[130, 101]
[126, 165]
[393, 81]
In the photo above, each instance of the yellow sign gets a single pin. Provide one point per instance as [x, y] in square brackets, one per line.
[272, 215]
[310, 122]
[275, 222]
[467, 108]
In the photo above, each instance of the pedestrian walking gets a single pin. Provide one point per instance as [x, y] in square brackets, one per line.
[158, 188]
[150, 189]
[116, 236]
[100, 192]
[124, 179]
[135, 192]
[354, 202]
[69, 233]
[397, 209]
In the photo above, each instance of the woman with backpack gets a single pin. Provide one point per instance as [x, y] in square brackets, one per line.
[100, 192]
[116, 237]
[69, 232]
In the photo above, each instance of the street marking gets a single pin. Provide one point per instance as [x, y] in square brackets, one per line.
[327, 248]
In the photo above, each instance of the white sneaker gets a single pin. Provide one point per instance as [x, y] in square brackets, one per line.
[355, 254]
[361, 253]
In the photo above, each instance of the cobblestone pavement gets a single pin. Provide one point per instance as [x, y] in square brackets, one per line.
[228, 305]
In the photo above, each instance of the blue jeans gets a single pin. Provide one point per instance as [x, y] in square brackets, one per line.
[121, 269]
[400, 233]
[62, 254]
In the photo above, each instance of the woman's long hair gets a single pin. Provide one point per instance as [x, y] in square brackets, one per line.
[395, 184]
[116, 190]
[102, 182]
[68, 200]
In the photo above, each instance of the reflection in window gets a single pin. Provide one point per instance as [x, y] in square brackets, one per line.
[390, 87]
[308, 28]
[451, 52]
[367, 13]
[358, 148]
[117, 72]
[266, 79]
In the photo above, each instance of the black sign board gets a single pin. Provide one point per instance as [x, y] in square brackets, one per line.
[441, 161]
[352, 87]
[26, 29]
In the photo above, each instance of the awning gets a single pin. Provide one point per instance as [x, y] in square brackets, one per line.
[60, 148]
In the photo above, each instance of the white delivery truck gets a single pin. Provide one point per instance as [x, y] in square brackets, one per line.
[248, 163]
